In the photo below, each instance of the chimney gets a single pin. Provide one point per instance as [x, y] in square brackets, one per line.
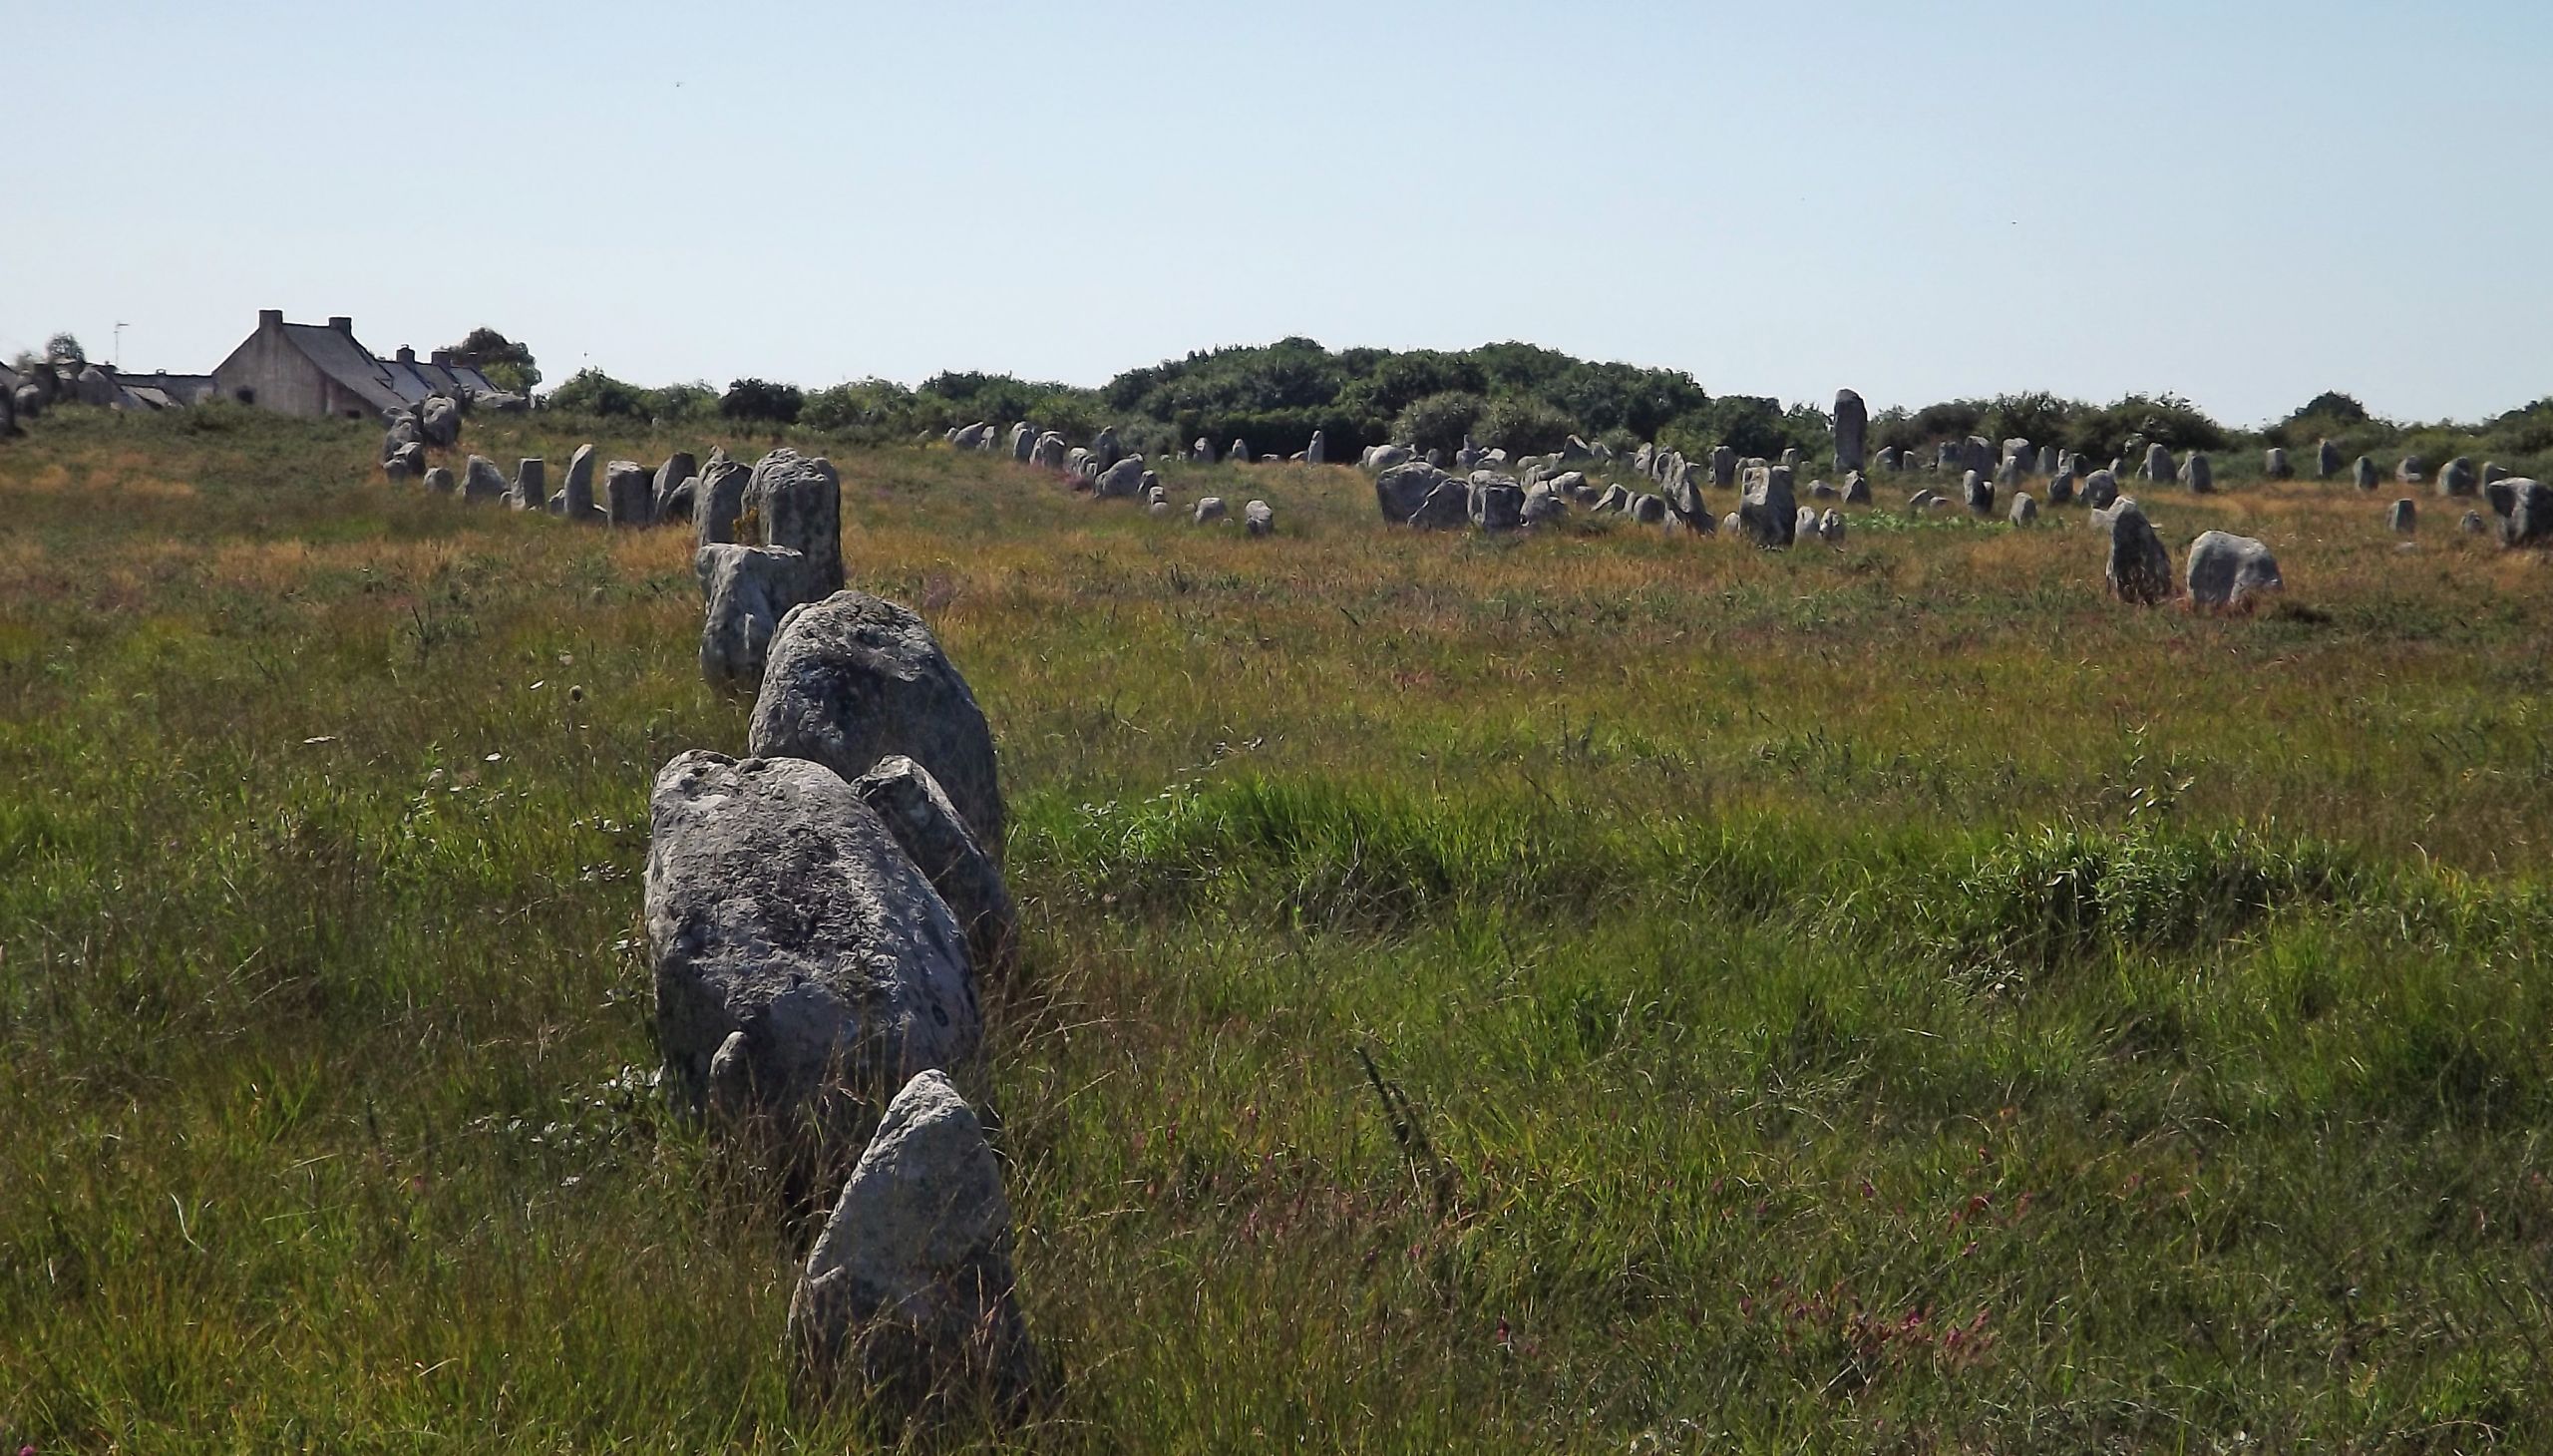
[343, 326]
[443, 358]
[407, 355]
[270, 319]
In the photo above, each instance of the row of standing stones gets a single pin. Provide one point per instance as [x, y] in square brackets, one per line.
[818, 916]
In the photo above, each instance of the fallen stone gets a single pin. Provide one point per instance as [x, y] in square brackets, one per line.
[2229, 571]
[1209, 508]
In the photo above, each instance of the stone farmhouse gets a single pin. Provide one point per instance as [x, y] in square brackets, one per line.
[322, 369]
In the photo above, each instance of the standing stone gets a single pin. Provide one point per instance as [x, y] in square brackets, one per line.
[1259, 518]
[1790, 459]
[1209, 508]
[1979, 456]
[795, 941]
[531, 485]
[439, 420]
[2494, 472]
[579, 486]
[1498, 507]
[1723, 466]
[2473, 523]
[2024, 509]
[2100, 489]
[1978, 492]
[2050, 461]
[2060, 488]
[1104, 445]
[629, 495]
[719, 500]
[9, 410]
[1240, 453]
[1125, 478]
[798, 501]
[2530, 518]
[1889, 458]
[1202, 452]
[1857, 489]
[482, 480]
[1318, 453]
[678, 468]
[2456, 477]
[2405, 518]
[2158, 465]
[1768, 514]
[1651, 510]
[853, 678]
[439, 481]
[1830, 528]
[1805, 526]
[917, 811]
[2327, 461]
[2364, 473]
[2199, 474]
[1400, 490]
[748, 589]
[1380, 458]
[2412, 470]
[2140, 571]
[2502, 494]
[908, 1290]
[2275, 466]
[2008, 476]
[1948, 454]
[1049, 451]
[408, 462]
[1852, 422]
[2228, 571]
[1024, 442]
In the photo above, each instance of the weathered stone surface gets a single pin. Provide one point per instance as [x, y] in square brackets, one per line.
[531, 485]
[1240, 453]
[1614, 500]
[908, 1290]
[1723, 466]
[1400, 490]
[1122, 480]
[579, 487]
[2473, 523]
[1857, 489]
[2363, 474]
[2024, 509]
[1447, 505]
[718, 501]
[439, 421]
[1260, 518]
[1048, 451]
[2405, 516]
[1104, 445]
[2158, 466]
[2494, 472]
[2412, 470]
[971, 437]
[628, 494]
[1768, 512]
[2199, 474]
[2502, 496]
[1820, 490]
[2050, 461]
[2530, 518]
[439, 481]
[780, 908]
[1498, 507]
[27, 401]
[8, 411]
[2274, 465]
[1804, 525]
[2327, 460]
[1852, 422]
[1891, 459]
[678, 468]
[408, 462]
[1024, 442]
[2457, 477]
[1209, 508]
[2140, 571]
[2228, 571]
[1978, 493]
[1379, 457]
[853, 678]
[1920, 502]
[798, 498]
[2100, 489]
[917, 812]
[2008, 473]
[1649, 510]
[1318, 453]
[748, 589]
[1831, 528]
[1200, 451]
[482, 480]
[1542, 504]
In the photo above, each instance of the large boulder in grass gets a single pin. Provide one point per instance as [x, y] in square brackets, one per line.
[2100, 489]
[804, 965]
[1380, 458]
[439, 421]
[1448, 505]
[2530, 518]
[1769, 514]
[908, 1290]
[798, 501]
[853, 678]
[2140, 571]
[1125, 479]
[408, 462]
[2457, 477]
[2229, 571]
[482, 480]
[748, 590]
[628, 494]
[1498, 507]
[917, 811]
[1402, 489]
[718, 501]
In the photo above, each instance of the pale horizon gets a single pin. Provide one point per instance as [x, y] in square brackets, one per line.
[2244, 210]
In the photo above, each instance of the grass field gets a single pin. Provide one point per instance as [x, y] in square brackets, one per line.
[1878, 999]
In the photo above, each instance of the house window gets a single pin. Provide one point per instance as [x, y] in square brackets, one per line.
[244, 395]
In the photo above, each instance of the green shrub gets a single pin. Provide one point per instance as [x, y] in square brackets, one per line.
[1440, 421]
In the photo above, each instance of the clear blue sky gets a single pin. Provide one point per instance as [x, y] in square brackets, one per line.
[2246, 201]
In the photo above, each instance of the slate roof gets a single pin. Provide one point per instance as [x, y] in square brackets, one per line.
[385, 384]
